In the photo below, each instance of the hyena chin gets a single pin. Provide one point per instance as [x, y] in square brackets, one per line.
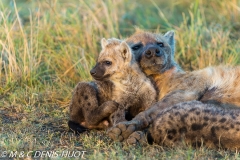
[132, 90]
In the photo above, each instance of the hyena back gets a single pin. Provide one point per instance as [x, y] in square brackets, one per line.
[197, 124]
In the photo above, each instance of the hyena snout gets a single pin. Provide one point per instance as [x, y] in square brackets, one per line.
[93, 71]
[98, 72]
[153, 51]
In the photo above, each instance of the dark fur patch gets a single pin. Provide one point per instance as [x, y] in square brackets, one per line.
[192, 109]
[173, 131]
[183, 117]
[196, 127]
[213, 131]
[177, 113]
[214, 119]
[197, 113]
[170, 137]
[183, 130]
[222, 120]
[205, 124]
[207, 111]
[205, 118]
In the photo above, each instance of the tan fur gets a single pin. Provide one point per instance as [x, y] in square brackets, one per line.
[193, 123]
[219, 85]
[131, 86]
[197, 124]
[93, 112]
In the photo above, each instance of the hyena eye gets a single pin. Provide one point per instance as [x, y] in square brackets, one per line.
[136, 47]
[160, 44]
[108, 63]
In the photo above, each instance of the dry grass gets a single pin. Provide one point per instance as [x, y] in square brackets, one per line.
[46, 47]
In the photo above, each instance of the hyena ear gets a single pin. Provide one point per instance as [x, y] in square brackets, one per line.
[104, 42]
[171, 40]
[125, 51]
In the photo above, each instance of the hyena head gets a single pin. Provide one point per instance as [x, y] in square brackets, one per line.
[114, 57]
[154, 52]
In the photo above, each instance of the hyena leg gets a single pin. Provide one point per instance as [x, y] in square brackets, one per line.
[118, 116]
[103, 111]
[122, 130]
[84, 107]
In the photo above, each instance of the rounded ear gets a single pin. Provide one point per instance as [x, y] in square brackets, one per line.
[169, 36]
[114, 39]
[125, 51]
[104, 42]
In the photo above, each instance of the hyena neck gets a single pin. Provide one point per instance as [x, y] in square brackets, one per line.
[175, 65]
[131, 78]
[164, 77]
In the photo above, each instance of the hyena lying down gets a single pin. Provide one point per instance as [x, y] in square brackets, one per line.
[212, 84]
[193, 123]
[132, 90]
[91, 104]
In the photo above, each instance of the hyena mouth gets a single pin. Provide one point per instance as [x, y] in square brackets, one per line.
[105, 77]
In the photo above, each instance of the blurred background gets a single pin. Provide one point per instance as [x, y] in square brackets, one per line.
[48, 46]
[44, 41]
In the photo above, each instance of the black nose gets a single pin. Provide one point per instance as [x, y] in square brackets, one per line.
[93, 72]
[152, 51]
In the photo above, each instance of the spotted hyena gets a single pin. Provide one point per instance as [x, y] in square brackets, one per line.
[218, 85]
[132, 90]
[193, 123]
[91, 104]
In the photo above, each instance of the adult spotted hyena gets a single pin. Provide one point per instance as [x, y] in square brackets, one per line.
[213, 84]
[193, 123]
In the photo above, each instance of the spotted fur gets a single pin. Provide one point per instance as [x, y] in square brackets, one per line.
[218, 85]
[132, 90]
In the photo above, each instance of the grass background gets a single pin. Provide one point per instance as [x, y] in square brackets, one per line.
[48, 46]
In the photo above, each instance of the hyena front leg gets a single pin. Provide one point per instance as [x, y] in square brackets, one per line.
[118, 116]
[122, 130]
[85, 110]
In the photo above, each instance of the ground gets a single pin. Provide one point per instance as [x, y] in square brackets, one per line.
[47, 47]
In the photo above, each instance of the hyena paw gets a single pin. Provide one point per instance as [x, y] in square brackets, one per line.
[121, 131]
[137, 137]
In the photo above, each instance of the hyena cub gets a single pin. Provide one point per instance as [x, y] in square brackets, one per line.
[213, 84]
[90, 106]
[132, 90]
